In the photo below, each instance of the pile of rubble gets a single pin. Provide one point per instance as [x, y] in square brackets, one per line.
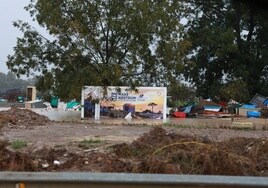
[21, 118]
[257, 107]
[155, 152]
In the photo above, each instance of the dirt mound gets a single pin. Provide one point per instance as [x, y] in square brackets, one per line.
[254, 149]
[14, 161]
[162, 153]
[21, 118]
[155, 152]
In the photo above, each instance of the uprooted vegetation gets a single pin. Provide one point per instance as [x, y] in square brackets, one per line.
[155, 152]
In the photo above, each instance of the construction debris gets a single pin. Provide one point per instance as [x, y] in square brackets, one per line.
[154, 152]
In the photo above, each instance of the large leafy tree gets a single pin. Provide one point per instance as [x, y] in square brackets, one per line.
[236, 90]
[99, 42]
[229, 43]
[180, 94]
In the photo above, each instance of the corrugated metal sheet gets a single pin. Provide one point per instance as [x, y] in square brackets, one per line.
[259, 100]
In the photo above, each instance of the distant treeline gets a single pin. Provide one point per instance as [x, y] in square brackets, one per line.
[11, 86]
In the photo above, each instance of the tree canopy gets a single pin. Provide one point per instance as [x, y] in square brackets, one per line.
[222, 44]
[229, 42]
[99, 42]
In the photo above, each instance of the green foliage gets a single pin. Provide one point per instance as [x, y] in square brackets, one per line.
[179, 94]
[11, 88]
[236, 90]
[9, 81]
[18, 144]
[85, 144]
[142, 43]
[229, 42]
[100, 42]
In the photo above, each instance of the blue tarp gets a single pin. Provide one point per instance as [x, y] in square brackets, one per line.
[88, 106]
[254, 114]
[249, 106]
[266, 102]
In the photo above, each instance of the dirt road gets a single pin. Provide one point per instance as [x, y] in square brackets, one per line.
[56, 133]
[167, 148]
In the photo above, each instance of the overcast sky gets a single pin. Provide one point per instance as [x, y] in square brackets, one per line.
[11, 10]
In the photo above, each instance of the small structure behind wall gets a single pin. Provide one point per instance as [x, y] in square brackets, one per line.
[31, 93]
[32, 102]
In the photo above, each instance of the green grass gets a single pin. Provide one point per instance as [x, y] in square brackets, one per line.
[18, 144]
[89, 143]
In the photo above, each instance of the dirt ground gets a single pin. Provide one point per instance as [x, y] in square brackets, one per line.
[168, 149]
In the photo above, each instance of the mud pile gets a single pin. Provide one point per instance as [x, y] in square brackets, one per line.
[155, 152]
[171, 153]
[14, 161]
[21, 118]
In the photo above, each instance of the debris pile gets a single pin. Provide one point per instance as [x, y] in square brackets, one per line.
[257, 107]
[162, 153]
[14, 161]
[21, 118]
[155, 152]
